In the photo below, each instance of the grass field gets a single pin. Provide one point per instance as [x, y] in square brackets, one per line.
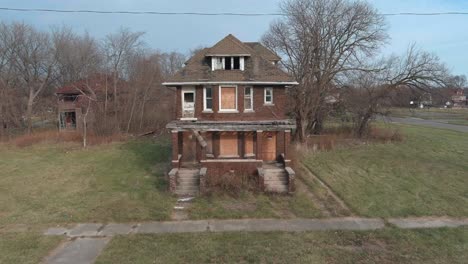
[249, 205]
[25, 248]
[422, 176]
[63, 183]
[384, 246]
[450, 116]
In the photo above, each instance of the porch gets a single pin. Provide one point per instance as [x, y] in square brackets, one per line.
[209, 141]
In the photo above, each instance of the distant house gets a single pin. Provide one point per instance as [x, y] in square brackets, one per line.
[230, 118]
[459, 99]
[73, 99]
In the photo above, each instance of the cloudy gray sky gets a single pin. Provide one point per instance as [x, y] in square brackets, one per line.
[445, 35]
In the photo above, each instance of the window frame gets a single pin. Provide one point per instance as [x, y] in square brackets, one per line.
[265, 96]
[251, 109]
[220, 93]
[205, 108]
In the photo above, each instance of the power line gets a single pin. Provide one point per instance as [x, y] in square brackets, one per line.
[203, 13]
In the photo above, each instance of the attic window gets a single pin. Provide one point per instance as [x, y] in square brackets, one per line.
[227, 63]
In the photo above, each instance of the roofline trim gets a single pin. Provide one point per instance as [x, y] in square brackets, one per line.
[227, 55]
[241, 82]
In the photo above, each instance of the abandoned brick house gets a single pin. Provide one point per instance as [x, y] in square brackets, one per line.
[231, 118]
[73, 100]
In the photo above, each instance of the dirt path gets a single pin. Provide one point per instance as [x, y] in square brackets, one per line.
[301, 187]
[334, 204]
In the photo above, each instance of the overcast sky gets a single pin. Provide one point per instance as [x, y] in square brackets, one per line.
[445, 35]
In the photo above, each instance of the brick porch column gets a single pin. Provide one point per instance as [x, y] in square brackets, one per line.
[287, 142]
[175, 148]
[259, 145]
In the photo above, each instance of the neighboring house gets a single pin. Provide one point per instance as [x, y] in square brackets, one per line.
[73, 100]
[230, 118]
[459, 99]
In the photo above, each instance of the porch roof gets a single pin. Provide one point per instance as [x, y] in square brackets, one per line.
[273, 125]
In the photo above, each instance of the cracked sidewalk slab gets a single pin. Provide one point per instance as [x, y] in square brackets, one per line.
[85, 230]
[173, 227]
[427, 222]
[77, 251]
[253, 225]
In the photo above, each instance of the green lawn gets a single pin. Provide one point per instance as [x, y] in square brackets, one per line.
[26, 247]
[63, 183]
[422, 176]
[383, 246]
[451, 116]
[249, 205]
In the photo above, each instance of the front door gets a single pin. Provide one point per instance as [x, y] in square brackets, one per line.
[188, 103]
[269, 146]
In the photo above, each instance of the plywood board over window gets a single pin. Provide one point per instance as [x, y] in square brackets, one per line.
[249, 144]
[269, 146]
[228, 99]
[228, 146]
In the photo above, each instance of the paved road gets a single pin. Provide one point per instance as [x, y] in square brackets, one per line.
[428, 123]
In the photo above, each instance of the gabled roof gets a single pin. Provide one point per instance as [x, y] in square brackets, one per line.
[263, 51]
[96, 82]
[258, 69]
[230, 45]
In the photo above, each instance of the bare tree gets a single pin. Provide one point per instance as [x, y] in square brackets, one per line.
[320, 40]
[368, 91]
[172, 62]
[119, 48]
[34, 61]
[78, 56]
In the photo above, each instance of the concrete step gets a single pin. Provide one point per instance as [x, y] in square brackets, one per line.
[188, 174]
[275, 178]
[276, 181]
[275, 175]
[276, 188]
[187, 193]
[188, 181]
[273, 170]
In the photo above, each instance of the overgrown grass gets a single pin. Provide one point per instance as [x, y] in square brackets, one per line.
[422, 176]
[25, 247]
[383, 246]
[63, 183]
[249, 205]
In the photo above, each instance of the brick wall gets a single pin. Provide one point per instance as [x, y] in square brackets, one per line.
[261, 111]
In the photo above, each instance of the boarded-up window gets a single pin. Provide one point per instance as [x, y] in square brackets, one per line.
[228, 98]
[248, 98]
[228, 144]
[249, 144]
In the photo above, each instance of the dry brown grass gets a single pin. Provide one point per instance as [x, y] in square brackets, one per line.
[60, 137]
[344, 136]
[230, 183]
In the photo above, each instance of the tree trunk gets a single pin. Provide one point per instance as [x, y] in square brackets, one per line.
[29, 110]
[131, 111]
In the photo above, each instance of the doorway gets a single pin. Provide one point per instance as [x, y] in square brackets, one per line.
[269, 146]
[188, 103]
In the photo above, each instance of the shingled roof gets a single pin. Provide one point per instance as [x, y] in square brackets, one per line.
[229, 45]
[258, 65]
[263, 51]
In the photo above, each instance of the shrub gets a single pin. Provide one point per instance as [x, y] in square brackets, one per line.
[230, 183]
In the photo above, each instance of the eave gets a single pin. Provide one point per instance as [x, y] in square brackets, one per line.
[234, 82]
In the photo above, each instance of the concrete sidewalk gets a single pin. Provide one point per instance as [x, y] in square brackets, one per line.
[252, 225]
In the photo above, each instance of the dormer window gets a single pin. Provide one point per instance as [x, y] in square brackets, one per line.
[227, 63]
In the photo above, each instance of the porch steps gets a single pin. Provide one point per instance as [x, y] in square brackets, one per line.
[188, 182]
[275, 180]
